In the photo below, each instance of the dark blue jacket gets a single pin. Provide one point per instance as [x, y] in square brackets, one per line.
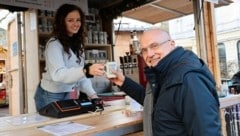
[186, 102]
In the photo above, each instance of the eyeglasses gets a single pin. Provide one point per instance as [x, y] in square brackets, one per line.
[153, 46]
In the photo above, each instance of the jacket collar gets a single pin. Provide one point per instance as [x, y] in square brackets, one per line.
[163, 66]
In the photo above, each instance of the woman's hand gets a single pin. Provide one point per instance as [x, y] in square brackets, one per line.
[93, 96]
[119, 79]
[97, 69]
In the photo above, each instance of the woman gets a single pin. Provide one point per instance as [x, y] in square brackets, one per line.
[64, 53]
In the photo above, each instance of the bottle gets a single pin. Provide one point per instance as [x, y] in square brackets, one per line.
[136, 47]
[131, 45]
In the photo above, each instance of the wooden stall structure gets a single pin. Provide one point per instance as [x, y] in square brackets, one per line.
[158, 10]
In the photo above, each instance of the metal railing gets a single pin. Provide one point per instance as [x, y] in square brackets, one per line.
[230, 115]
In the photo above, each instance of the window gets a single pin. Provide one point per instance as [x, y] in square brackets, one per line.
[222, 60]
[238, 53]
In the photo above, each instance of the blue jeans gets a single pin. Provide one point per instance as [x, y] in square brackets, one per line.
[43, 97]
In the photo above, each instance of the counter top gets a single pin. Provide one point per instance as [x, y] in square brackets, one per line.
[112, 121]
[229, 101]
[109, 123]
[5, 125]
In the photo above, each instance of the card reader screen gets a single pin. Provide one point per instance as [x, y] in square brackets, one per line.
[68, 104]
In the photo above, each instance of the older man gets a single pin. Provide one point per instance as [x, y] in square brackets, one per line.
[181, 98]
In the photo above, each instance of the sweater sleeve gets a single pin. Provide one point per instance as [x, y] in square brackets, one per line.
[85, 85]
[133, 89]
[200, 107]
[56, 65]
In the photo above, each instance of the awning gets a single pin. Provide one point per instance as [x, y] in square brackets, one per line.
[163, 10]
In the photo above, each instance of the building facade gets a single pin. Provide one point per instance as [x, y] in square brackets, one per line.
[227, 20]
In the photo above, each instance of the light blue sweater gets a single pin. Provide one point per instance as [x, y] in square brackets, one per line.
[63, 72]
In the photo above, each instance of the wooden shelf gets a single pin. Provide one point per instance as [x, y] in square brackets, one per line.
[47, 17]
[44, 34]
[97, 45]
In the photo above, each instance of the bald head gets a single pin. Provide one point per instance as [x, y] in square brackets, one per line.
[157, 35]
[155, 44]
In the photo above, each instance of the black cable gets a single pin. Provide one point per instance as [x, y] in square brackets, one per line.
[199, 15]
[118, 29]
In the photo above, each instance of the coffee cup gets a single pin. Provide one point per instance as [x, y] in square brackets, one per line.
[109, 66]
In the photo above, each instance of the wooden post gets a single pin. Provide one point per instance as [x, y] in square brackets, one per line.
[211, 41]
[206, 36]
[223, 121]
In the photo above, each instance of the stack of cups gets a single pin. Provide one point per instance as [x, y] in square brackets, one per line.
[104, 37]
[95, 37]
[100, 37]
[90, 36]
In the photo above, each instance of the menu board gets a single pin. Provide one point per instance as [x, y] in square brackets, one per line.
[51, 5]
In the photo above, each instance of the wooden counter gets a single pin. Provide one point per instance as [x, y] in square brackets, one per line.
[228, 101]
[111, 122]
[108, 123]
[231, 101]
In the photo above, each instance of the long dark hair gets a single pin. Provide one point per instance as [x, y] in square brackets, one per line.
[60, 32]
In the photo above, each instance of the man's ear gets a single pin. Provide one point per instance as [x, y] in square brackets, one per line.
[172, 42]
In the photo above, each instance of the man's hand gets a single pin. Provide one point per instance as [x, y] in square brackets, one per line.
[119, 79]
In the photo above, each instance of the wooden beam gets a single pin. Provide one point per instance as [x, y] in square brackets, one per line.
[206, 37]
[211, 41]
[168, 9]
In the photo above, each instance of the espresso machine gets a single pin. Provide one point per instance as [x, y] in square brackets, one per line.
[132, 64]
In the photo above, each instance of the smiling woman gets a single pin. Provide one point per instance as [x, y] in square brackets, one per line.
[66, 72]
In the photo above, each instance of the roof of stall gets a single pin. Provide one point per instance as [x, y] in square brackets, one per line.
[150, 11]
